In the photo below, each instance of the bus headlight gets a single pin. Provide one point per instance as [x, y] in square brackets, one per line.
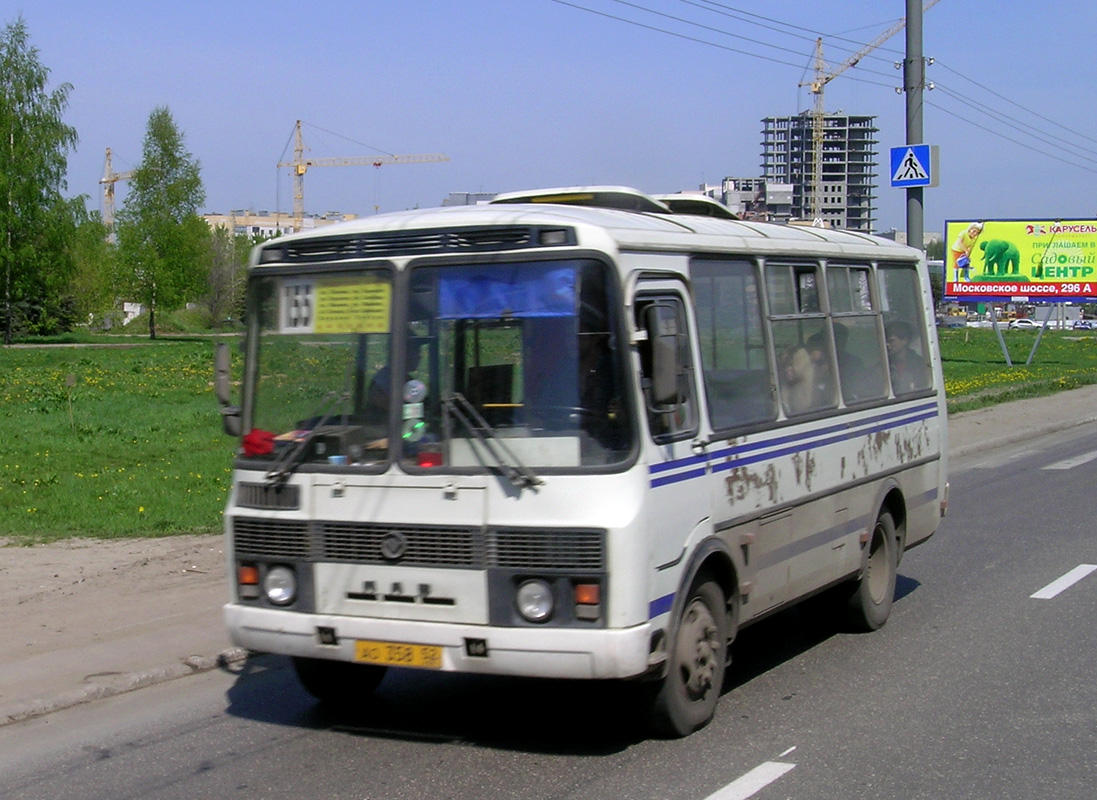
[280, 585]
[535, 600]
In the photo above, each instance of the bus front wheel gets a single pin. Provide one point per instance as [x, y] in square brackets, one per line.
[686, 699]
[337, 681]
[870, 600]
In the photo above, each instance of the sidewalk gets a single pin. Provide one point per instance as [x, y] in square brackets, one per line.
[89, 619]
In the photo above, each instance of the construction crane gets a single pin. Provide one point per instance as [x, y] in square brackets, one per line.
[818, 117]
[300, 165]
[110, 177]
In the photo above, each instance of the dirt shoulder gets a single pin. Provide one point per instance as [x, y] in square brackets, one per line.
[89, 618]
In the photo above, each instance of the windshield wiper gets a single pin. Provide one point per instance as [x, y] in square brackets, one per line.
[515, 471]
[286, 462]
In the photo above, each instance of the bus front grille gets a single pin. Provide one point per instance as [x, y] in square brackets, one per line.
[271, 538]
[263, 495]
[423, 545]
[355, 543]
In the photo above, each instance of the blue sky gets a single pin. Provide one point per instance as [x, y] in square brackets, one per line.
[536, 93]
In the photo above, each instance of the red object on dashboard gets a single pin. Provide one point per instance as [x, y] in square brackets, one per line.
[258, 443]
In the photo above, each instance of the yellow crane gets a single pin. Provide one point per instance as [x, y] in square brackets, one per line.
[818, 117]
[300, 165]
[110, 177]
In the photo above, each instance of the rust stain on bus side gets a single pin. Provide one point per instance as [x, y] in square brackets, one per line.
[742, 481]
[911, 446]
[804, 468]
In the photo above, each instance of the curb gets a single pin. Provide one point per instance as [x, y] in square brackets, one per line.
[124, 682]
[1018, 436]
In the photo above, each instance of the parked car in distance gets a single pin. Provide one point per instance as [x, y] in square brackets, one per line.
[1084, 325]
[1023, 324]
[951, 322]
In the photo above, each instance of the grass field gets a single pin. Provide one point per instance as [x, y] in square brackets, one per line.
[132, 447]
[117, 441]
[976, 373]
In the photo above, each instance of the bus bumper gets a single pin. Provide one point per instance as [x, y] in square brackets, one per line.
[540, 652]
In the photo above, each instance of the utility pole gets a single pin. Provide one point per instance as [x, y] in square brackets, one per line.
[914, 81]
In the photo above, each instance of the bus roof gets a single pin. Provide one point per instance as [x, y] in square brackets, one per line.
[660, 229]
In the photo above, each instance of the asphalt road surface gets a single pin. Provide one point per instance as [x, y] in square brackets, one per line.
[981, 685]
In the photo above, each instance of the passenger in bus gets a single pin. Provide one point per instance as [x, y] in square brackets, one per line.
[908, 369]
[379, 391]
[823, 394]
[854, 377]
[798, 382]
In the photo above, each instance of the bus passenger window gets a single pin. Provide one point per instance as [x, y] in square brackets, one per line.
[801, 339]
[907, 350]
[738, 383]
[862, 369]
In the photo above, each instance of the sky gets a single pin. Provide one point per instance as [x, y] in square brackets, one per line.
[660, 95]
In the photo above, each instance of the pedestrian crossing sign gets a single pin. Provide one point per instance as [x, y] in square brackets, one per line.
[913, 165]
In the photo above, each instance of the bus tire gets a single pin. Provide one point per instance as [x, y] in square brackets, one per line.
[870, 601]
[685, 700]
[337, 681]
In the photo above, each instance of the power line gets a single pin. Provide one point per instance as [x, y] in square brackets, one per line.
[938, 63]
[707, 42]
[1001, 135]
[675, 34]
[1022, 127]
[706, 27]
[811, 34]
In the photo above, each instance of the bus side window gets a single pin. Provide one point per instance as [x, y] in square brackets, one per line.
[801, 338]
[904, 332]
[855, 324]
[738, 382]
[680, 418]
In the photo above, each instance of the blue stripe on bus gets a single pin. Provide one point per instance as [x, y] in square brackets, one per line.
[732, 457]
[660, 605]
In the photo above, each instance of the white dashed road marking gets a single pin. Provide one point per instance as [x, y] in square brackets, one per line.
[755, 780]
[1071, 463]
[1065, 582]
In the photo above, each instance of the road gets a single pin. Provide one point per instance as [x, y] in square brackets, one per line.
[974, 689]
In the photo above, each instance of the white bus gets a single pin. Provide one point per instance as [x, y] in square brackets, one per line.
[573, 434]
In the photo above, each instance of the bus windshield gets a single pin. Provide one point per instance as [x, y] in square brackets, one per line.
[532, 348]
[501, 363]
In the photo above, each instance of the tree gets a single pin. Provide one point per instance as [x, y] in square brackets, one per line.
[228, 273]
[92, 285]
[36, 222]
[163, 245]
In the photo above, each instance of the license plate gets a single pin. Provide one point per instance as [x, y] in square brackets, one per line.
[395, 654]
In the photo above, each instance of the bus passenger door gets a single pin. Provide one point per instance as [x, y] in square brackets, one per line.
[677, 504]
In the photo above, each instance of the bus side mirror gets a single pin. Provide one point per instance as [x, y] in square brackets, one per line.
[661, 322]
[222, 387]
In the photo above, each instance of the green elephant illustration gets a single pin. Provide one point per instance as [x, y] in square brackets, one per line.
[1000, 257]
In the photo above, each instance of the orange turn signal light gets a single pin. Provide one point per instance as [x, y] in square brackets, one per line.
[247, 575]
[588, 594]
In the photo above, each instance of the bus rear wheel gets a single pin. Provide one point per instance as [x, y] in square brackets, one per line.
[686, 699]
[337, 681]
[870, 600]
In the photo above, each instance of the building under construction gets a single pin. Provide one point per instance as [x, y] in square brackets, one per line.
[848, 187]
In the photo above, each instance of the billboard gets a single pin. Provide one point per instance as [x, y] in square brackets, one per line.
[1020, 260]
